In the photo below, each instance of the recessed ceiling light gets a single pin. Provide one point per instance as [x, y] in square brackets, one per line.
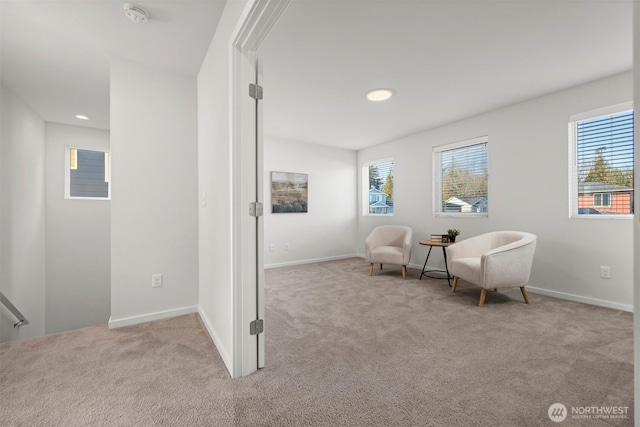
[135, 13]
[379, 95]
[81, 117]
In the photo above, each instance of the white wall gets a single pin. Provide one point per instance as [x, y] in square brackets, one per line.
[528, 190]
[154, 223]
[328, 230]
[22, 217]
[78, 239]
[216, 278]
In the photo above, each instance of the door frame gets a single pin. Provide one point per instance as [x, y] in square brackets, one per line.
[248, 282]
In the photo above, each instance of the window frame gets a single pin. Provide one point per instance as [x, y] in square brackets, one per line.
[437, 177]
[573, 160]
[67, 172]
[365, 187]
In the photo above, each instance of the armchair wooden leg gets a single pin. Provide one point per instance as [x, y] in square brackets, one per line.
[483, 295]
[371, 270]
[455, 283]
[404, 272]
[380, 266]
[524, 294]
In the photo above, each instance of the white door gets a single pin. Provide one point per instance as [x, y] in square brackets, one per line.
[250, 267]
[248, 188]
[259, 219]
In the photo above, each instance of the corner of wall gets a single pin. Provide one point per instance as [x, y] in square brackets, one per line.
[225, 354]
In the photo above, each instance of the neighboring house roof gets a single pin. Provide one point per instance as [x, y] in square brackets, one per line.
[378, 205]
[466, 201]
[455, 201]
[473, 201]
[376, 191]
[601, 187]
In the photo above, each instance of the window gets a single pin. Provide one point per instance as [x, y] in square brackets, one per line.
[602, 199]
[461, 178]
[601, 144]
[378, 187]
[87, 174]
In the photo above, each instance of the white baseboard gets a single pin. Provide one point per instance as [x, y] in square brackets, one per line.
[560, 295]
[419, 267]
[578, 298]
[410, 265]
[134, 320]
[310, 261]
[222, 350]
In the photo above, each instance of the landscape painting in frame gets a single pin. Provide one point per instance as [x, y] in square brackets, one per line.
[289, 192]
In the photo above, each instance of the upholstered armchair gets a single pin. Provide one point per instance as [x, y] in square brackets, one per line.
[389, 244]
[501, 259]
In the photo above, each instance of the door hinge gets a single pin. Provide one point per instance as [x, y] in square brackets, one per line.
[255, 209]
[255, 91]
[256, 327]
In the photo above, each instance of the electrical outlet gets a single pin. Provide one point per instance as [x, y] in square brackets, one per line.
[156, 280]
[605, 272]
[203, 199]
[287, 246]
[272, 247]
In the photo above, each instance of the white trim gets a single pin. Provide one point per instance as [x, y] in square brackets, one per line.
[311, 261]
[134, 320]
[436, 168]
[375, 162]
[88, 198]
[435, 269]
[366, 189]
[436, 182]
[532, 289]
[257, 20]
[243, 166]
[573, 158]
[257, 24]
[222, 350]
[459, 144]
[581, 299]
[604, 111]
[461, 215]
[573, 171]
[67, 172]
[602, 216]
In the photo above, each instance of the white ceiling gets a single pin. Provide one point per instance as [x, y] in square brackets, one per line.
[446, 60]
[55, 54]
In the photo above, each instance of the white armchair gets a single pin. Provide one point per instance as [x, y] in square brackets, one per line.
[501, 259]
[389, 244]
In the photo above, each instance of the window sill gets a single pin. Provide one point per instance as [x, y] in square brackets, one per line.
[621, 216]
[460, 215]
[87, 198]
[368, 214]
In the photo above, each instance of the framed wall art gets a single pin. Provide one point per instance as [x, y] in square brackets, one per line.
[289, 192]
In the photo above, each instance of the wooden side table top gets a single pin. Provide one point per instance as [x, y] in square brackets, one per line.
[436, 243]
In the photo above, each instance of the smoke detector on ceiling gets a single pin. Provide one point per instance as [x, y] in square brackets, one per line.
[135, 13]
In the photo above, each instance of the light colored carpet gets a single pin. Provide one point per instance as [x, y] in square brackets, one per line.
[343, 349]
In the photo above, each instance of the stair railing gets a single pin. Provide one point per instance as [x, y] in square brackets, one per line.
[22, 321]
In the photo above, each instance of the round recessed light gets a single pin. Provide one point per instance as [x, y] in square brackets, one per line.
[81, 117]
[135, 13]
[379, 94]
